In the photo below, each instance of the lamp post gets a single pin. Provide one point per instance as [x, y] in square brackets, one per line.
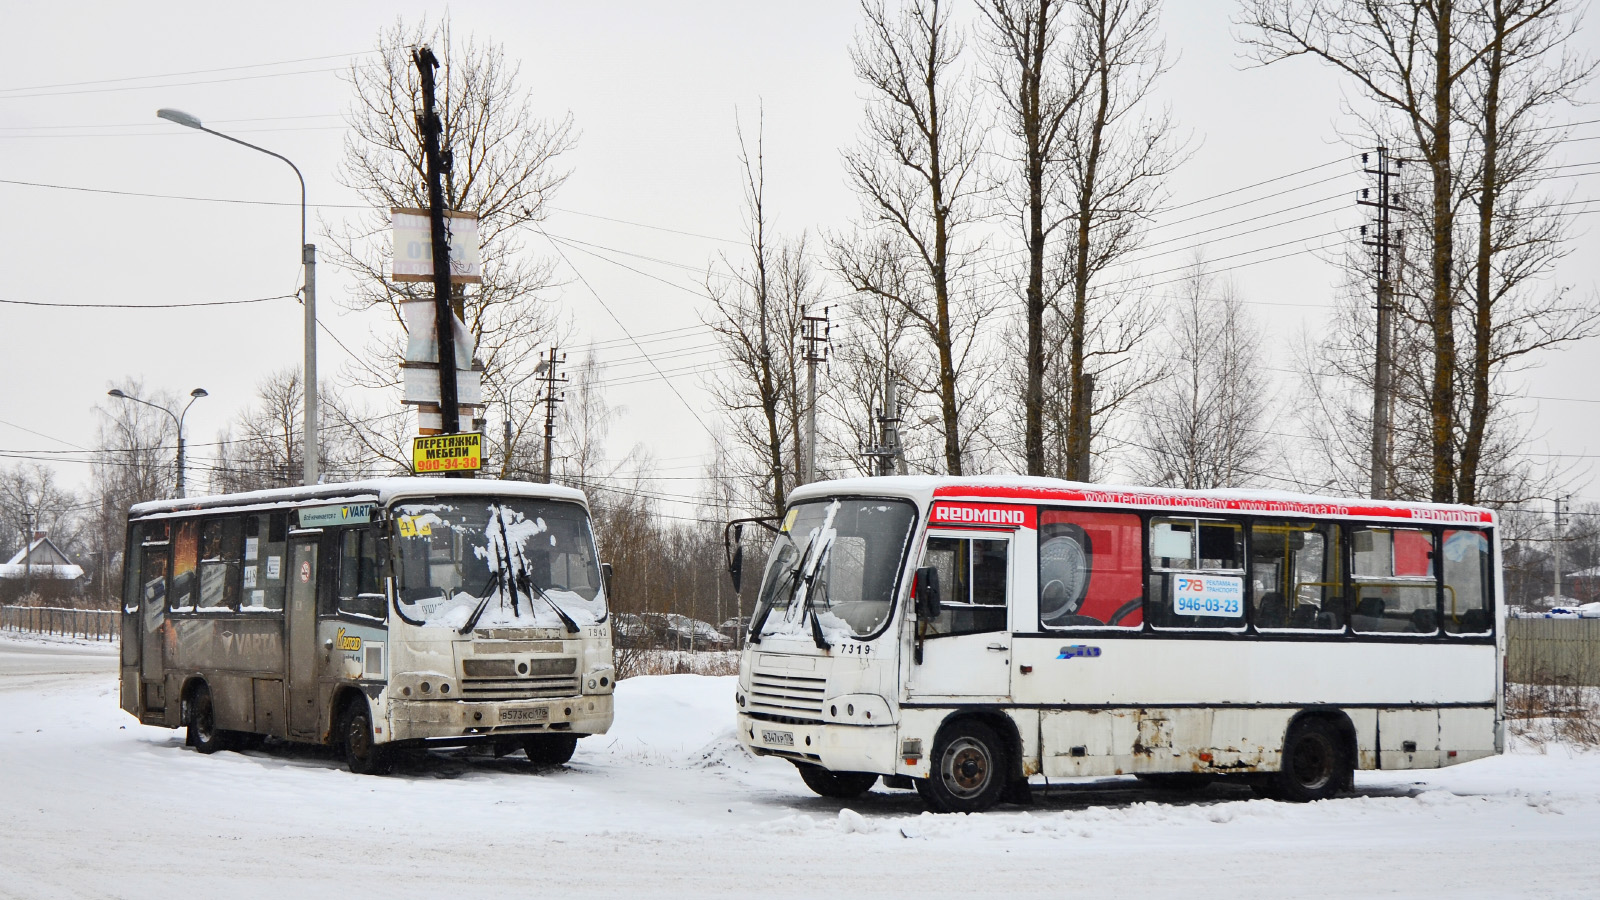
[177, 419]
[308, 258]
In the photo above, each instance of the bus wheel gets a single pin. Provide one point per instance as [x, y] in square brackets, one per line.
[1315, 765]
[550, 750]
[836, 785]
[969, 770]
[362, 754]
[203, 734]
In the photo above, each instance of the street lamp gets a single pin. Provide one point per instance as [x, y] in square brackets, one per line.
[308, 257]
[177, 419]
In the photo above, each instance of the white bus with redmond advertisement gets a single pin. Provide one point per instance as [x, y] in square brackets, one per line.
[370, 616]
[960, 635]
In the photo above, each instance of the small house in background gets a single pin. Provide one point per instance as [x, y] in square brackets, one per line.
[1584, 584]
[41, 567]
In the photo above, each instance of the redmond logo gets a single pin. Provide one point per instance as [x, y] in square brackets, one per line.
[980, 515]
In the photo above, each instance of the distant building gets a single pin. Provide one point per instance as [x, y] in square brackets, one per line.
[42, 561]
[1585, 583]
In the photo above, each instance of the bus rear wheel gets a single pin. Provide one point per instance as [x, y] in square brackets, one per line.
[203, 734]
[836, 785]
[970, 770]
[550, 750]
[362, 753]
[1315, 764]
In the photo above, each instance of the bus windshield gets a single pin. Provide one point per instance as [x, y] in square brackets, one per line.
[496, 562]
[840, 558]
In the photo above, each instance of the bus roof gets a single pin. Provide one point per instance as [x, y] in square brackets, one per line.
[1025, 489]
[372, 490]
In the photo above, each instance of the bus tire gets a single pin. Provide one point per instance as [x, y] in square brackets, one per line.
[550, 750]
[363, 754]
[970, 769]
[836, 785]
[203, 734]
[1315, 763]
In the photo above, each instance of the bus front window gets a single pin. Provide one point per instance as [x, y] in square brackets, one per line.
[841, 558]
[529, 558]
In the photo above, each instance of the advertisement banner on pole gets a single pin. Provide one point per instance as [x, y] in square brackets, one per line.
[413, 246]
[447, 453]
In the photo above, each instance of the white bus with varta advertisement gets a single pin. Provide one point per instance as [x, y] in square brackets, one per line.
[370, 616]
[961, 635]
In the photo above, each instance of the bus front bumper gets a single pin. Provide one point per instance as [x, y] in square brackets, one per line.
[411, 720]
[837, 747]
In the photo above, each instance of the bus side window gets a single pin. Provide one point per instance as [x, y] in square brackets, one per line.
[220, 552]
[185, 554]
[1091, 569]
[1294, 576]
[972, 578]
[360, 590]
[1467, 578]
[1393, 581]
[262, 564]
[1196, 574]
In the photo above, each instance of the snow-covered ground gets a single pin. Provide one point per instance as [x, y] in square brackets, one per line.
[667, 805]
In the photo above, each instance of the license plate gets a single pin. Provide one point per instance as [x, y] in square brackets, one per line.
[785, 738]
[536, 714]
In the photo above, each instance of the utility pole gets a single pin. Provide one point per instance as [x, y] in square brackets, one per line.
[1560, 524]
[505, 459]
[814, 331]
[1382, 426]
[439, 162]
[547, 373]
[887, 448]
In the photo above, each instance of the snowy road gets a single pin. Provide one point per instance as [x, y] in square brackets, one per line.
[94, 805]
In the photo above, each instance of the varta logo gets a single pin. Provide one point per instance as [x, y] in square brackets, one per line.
[1072, 650]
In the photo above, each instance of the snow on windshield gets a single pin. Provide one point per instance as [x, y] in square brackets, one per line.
[841, 557]
[524, 557]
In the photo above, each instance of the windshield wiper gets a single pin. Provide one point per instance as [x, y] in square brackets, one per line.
[816, 619]
[483, 602]
[529, 585]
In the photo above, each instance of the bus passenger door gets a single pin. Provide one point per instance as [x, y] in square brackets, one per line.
[966, 652]
[300, 633]
[153, 629]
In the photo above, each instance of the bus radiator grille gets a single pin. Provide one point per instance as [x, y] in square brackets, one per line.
[795, 696]
[518, 688]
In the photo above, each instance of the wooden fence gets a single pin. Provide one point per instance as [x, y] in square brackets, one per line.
[93, 624]
[1553, 651]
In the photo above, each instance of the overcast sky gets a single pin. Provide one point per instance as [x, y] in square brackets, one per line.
[654, 89]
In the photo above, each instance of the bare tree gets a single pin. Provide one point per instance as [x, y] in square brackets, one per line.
[1039, 87]
[1434, 68]
[918, 175]
[262, 447]
[759, 306]
[1201, 425]
[1520, 231]
[506, 166]
[1116, 153]
[1465, 86]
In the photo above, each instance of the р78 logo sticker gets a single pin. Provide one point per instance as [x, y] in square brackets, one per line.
[1219, 596]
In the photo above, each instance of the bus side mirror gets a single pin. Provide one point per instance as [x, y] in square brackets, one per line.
[736, 560]
[925, 592]
[605, 579]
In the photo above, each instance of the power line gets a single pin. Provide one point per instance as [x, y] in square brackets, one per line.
[172, 84]
[283, 62]
[598, 299]
[52, 305]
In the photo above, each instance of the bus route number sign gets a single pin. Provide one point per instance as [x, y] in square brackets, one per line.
[447, 453]
[1208, 595]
